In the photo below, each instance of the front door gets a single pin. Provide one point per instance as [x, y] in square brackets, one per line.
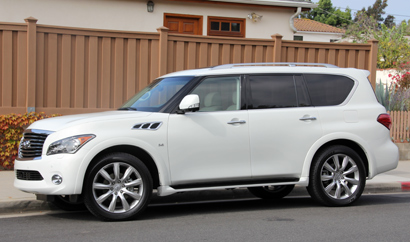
[183, 24]
[211, 145]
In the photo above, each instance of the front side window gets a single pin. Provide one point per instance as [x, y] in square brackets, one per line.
[328, 90]
[157, 94]
[219, 94]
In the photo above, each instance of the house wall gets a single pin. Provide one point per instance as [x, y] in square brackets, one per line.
[132, 15]
[318, 37]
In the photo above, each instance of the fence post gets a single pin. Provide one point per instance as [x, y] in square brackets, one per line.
[373, 61]
[163, 50]
[277, 48]
[31, 63]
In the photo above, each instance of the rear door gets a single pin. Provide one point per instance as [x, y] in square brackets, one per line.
[282, 125]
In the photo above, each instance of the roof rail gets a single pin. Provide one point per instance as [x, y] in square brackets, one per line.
[290, 64]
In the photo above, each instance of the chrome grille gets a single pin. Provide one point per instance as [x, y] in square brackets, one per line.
[28, 175]
[31, 145]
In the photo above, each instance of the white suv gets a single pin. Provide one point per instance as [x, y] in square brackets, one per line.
[266, 127]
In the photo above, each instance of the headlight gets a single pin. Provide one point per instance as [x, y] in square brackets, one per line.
[69, 145]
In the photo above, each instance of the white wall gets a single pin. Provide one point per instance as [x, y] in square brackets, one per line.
[132, 15]
[383, 75]
[319, 37]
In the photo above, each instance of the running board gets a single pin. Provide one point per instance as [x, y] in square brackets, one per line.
[169, 190]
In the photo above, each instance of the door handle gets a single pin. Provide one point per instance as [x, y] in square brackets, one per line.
[237, 122]
[308, 118]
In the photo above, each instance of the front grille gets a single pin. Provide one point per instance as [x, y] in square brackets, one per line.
[31, 146]
[28, 175]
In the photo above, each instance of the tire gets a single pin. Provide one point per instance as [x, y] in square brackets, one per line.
[337, 176]
[69, 202]
[118, 187]
[271, 192]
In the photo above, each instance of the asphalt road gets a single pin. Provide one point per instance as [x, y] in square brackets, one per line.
[381, 217]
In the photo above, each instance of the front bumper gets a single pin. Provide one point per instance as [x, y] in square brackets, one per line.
[65, 165]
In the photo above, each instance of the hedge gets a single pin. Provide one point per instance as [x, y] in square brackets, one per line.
[12, 127]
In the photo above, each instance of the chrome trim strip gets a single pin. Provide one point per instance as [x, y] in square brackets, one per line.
[38, 131]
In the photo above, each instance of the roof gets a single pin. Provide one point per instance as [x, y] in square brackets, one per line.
[309, 25]
[282, 3]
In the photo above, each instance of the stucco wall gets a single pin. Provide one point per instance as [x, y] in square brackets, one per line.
[383, 75]
[132, 15]
[318, 37]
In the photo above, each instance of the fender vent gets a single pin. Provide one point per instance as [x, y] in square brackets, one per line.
[148, 126]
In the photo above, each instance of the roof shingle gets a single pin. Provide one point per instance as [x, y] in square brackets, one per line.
[314, 26]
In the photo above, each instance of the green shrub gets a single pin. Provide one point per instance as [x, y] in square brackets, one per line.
[393, 97]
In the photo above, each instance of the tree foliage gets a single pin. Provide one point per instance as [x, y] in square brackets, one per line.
[394, 47]
[327, 14]
[363, 29]
[376, 11]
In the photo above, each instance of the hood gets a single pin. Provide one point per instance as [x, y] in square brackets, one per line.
[58, 123]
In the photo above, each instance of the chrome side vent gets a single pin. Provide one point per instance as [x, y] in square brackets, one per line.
[148, 126]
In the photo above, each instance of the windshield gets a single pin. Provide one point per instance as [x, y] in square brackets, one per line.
[153, 97]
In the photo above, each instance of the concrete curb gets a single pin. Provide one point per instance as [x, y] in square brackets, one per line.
[27, 206]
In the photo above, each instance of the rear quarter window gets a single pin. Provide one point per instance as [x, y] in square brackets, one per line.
[328, 90]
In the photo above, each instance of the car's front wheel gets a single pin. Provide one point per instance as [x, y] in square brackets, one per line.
[118, 187]
[337, 176]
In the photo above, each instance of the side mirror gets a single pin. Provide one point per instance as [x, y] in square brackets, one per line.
[189, 103]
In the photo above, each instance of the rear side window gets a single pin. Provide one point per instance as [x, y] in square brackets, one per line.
[277, 91]
[328, 90]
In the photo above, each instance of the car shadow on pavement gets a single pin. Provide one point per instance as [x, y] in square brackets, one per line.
[192, 208]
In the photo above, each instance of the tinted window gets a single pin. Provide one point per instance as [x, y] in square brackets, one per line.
[272, 92]
[328, 90]
[301, 92]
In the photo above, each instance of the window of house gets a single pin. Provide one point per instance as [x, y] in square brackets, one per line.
[221, 26]
[298, 37]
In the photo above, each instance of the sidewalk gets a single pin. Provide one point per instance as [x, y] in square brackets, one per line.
[13, 200]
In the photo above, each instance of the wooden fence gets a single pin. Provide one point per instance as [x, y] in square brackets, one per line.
[400, 128]
[72, 70]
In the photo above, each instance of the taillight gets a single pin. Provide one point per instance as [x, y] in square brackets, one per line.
[385, 120]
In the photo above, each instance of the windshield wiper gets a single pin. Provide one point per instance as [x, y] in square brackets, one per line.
[128, 108]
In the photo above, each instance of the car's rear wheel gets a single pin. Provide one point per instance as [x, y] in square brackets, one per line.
[337, 176]
[118, 187]
[271, 192]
